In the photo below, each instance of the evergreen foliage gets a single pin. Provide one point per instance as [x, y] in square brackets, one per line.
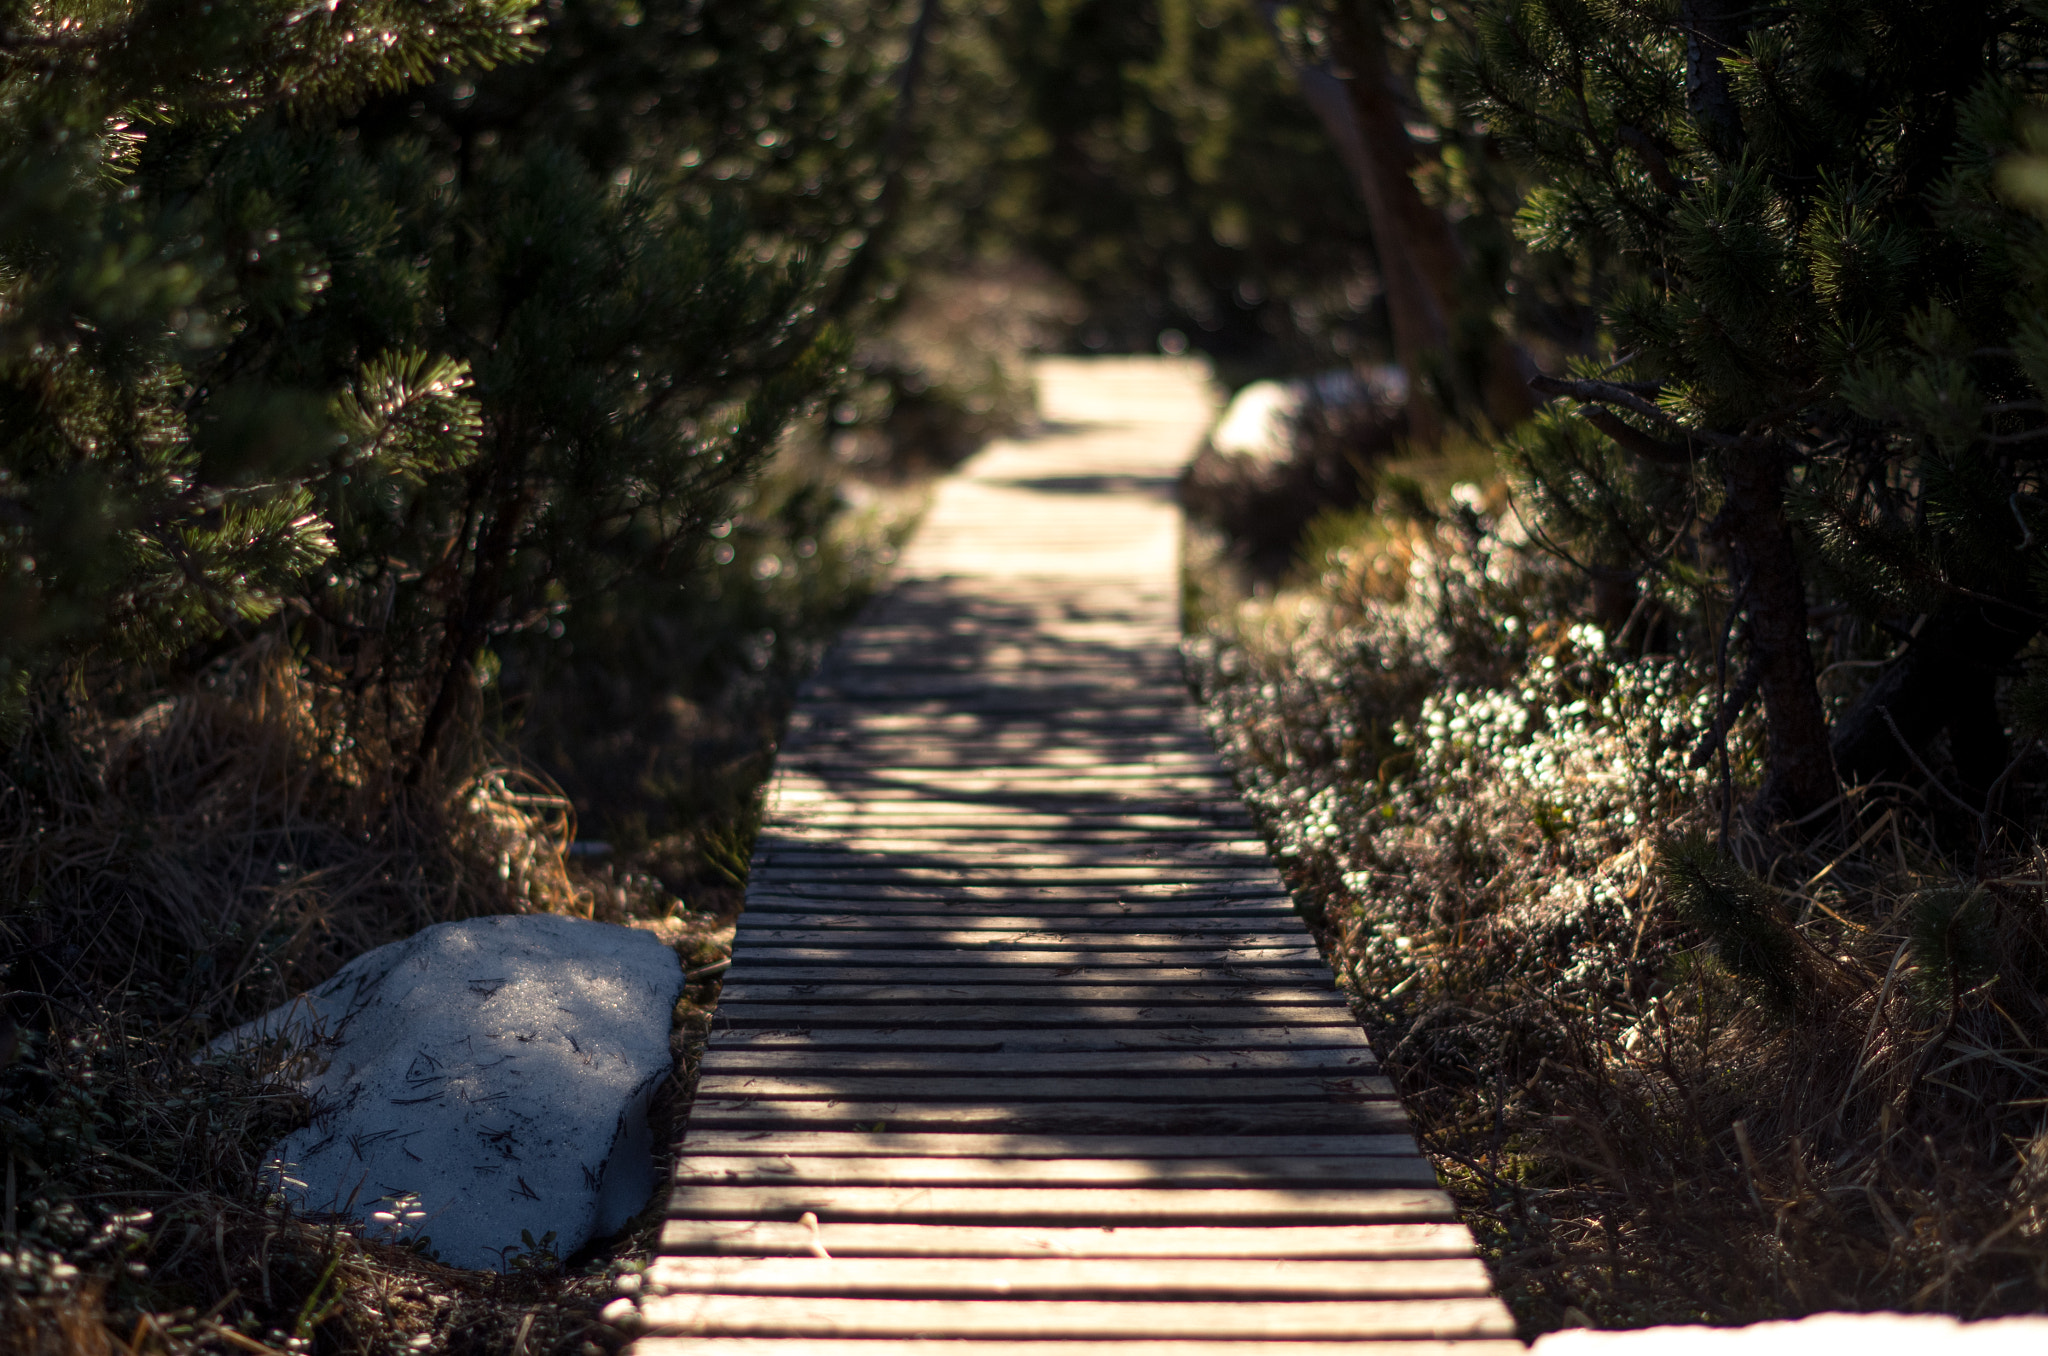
[408, 373]
[1954, 945]
[1736, 911]
[1818, 382]
[146, 502]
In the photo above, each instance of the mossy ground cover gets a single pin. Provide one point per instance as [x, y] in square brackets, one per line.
[1674, 1067]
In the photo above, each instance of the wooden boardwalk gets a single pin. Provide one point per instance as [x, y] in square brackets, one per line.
[1023, 1050]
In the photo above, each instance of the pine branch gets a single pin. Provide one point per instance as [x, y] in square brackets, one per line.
[1630, 396]
[1744, 692]
[1603, 393]
[1633, 439]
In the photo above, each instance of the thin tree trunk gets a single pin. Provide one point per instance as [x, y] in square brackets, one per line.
[1422, 266]
[1799, 772]
[1414, 310]
[1713, 30]
[468, 623]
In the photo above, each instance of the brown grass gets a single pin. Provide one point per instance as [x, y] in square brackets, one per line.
[182, 869]
[174, 862]
[1637, 1132]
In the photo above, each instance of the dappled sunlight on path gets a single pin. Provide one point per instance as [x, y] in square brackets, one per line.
[1023, 1049]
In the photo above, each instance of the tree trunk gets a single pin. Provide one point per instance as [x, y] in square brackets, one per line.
[1799, 773]
[469, 621]
[849, 291]
[1713, 30]
[1414, 311]
[1947, 677]
[1422, 266]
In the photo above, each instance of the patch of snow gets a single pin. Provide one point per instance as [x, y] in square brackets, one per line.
[478, 1080]
[1816, 1335]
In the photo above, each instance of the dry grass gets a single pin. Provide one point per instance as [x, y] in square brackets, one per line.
[174, 872]
[1818, 1081]
[168, 875]
[171, 869]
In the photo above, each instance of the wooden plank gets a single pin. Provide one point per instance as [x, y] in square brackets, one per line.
[1188, 769]
[1040, 850]
[812, 1016]
[1098, 1206]
[1002, 973]
[915, 845]
[939, 719]
[909, 805]
[772, 895]
[1109, 707]
[700, 1169]
[1069, 1278]
[1055, 1118]
[986, 927]
[1262, 916]
[954, 646]
[899, 1346]
[1174, 792]
[981, 689]
[755, 1238]
[795, 789]
[1051, 926]
[1226, 1043]
[744, 1315]
[1222, 1088]
[1134, 899]
[1035, 759]
[1340, 1061]
[990, 894]
[1004, 787]
[1065, 992]
[956, 936]
[1056, 830]
[1042, 863]
[996, 881]
[1109, 814]
[1215, 802]
[890, 667]
[1298, 954]
[861, 1144]
[834, 752]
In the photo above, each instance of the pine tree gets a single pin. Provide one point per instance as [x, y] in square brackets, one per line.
[408, 371]
[1818, 380]
[146, 505]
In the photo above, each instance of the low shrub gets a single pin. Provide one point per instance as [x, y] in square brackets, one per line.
[1673, 1070]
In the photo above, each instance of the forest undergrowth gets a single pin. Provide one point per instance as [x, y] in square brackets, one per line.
[1666, 1083]
[183, 867]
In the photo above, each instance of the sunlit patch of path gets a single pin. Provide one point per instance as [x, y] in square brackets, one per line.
[1023, 1049]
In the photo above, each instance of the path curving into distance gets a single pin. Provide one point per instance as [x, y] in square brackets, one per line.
[1023, 1051]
